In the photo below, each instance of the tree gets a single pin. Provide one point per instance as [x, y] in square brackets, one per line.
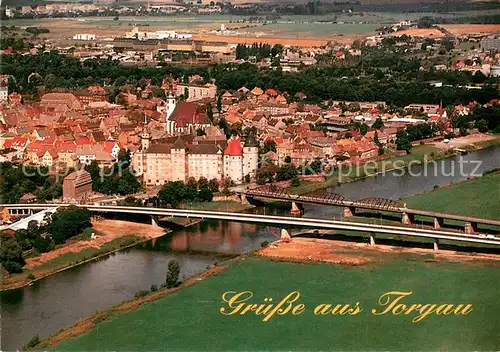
[124, 157]
[482, 125]
[172, 194]
[378, 124]
[213, 185]
[269, 146]
[295, 182]
[128, 184]
[205, 195]
[286, 172]
[402, 141]
[288, 159]
[219, 103]
[68, 222]
[210, 112]
[247, 178]
[363, 129]
[11, 254]
[203, 184]
[172, 277]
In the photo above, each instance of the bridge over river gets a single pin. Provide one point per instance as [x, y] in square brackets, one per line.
[285, 223]
[377, 204]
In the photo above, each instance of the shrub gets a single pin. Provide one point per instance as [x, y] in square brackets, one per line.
[31, 276]
[264, 244]
[141, 293]
[154, 288]
[35, 340]
[173, 270]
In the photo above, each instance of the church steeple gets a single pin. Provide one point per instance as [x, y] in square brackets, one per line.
[145, 135]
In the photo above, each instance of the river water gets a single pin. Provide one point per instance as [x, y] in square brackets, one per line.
[60, 300]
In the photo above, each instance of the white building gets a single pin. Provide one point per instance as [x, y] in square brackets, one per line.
[84, 36]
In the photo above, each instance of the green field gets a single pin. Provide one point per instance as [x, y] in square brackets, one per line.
[190, 319]
[479, 197]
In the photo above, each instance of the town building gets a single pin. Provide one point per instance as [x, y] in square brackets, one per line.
[196, 91]
[77, 186]
[184, 117]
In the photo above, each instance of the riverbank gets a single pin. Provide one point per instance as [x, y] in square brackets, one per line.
[477, 197]
[419, 154]
[113, 235]
[170, 319]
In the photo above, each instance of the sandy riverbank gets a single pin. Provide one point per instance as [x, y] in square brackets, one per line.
[341, 252]
[109, 230]
[472, 141]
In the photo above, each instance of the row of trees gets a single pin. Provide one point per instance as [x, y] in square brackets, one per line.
[55, 229]
[352, 83]
[259, 51]
[174, 193]
[270, 172]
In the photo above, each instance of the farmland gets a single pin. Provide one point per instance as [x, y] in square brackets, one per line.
[321, 28]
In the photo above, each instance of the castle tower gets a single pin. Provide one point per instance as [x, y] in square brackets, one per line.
[250, 156]
[233, 160]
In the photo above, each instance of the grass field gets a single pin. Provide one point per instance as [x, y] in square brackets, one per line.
[479, 197]
[189, 319]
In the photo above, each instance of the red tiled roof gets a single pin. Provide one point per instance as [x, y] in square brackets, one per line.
[271, 92]
[108, 146]
[234, 147]
[187, 113]
[83, 141]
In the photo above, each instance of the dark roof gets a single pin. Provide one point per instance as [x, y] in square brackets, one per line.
[203, 149]
[171, 140]
[251, 141]
[159, 148]
[98, 136]
[60, 131]
[79, 178]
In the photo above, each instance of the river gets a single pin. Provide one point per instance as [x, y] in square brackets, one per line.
[60, 300]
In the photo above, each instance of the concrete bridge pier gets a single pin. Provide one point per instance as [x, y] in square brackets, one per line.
[296, 210]
[286, 234]
[243, 198]
[372, 239]
[470, 227]
[436, 244]
[407, 219]
[349, 211]
[438, 223]
[154, 220]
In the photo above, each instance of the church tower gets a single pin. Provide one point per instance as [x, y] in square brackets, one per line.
[171, 103]
[145, 136]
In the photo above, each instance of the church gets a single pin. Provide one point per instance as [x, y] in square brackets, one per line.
[183, 117]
